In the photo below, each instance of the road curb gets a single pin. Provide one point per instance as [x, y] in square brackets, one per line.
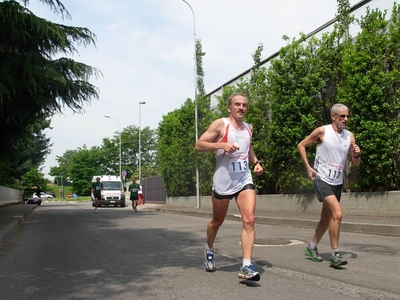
[364, 228]
[12, 228]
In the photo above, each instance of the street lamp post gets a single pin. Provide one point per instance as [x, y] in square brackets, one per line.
[62, 187]
[140, 146]
[195, 103]
[119, 124]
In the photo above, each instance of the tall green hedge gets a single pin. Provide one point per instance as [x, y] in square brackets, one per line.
[293, 95]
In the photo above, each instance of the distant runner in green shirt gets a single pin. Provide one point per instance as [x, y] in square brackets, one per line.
[134, 189]
[96, 189]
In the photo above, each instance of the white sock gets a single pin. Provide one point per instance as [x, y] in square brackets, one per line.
[313, 245]
[209, 249]
[334, 250]
[246, 262]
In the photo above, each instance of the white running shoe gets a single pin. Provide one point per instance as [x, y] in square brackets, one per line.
[209, 263]
[248, 272]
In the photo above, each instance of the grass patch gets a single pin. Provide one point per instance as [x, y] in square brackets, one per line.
[57, 189]
[66, 199]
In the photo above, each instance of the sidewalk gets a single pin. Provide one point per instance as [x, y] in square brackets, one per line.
[389, 226]
[13, 216]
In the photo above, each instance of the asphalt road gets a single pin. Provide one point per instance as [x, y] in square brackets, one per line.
[66, 251]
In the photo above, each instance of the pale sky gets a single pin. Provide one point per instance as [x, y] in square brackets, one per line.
[145, 51]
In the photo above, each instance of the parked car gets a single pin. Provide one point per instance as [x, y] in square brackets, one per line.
[34, 200]
[50, 193]
[43, 195]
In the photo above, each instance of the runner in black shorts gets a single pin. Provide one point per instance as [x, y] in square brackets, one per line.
[231, 140]
[334, 144]
[246, 187]
[323, 190]
[134, 189]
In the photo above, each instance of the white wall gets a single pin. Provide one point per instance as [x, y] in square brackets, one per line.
[359, 204]
[9, 195]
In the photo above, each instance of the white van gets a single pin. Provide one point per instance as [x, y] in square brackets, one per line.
[113, 190]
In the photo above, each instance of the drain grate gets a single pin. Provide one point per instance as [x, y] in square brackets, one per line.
[276, 242]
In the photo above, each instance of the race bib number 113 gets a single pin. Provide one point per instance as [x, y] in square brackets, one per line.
[237, 166]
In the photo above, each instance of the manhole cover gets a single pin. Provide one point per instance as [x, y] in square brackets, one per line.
[276, 242]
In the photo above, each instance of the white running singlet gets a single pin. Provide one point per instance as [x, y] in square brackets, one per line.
[331, 155]
[232, 171]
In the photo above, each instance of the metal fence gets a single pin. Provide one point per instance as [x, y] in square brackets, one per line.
[154, 190]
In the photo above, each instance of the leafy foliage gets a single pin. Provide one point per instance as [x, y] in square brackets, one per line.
[371, 88]
[33, 84]
[31, 180]
[288, 99]
[176, 151]
[27, 153]
[55, 5]
[85, 164]
[259, 116]
[176, 155]
[294, 96]
[82, 164]
[130, 152]
[205, 161]
[301, 90]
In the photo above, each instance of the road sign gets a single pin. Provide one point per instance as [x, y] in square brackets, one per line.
[123, 173]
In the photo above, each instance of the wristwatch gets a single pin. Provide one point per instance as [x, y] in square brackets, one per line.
[258, 162]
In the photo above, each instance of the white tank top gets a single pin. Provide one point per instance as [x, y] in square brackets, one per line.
[331, 155]
[232, 170]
